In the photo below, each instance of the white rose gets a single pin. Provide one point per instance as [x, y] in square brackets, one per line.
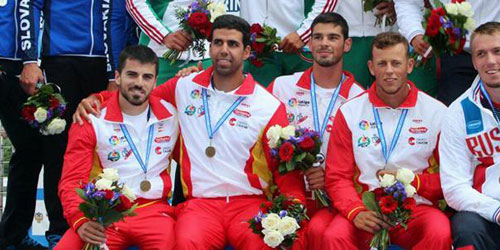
[451, 8]
[273, 135]
[216, 9]
[387, 180]
[110, 174]
[40, 115]
[287, 132]
[288, 225]
[470, 24]
[464, 8]
[128, 193]
[103, 184]
[56, 126]
[271, 221]
[272, 238]
[405, 176]
[410, 190]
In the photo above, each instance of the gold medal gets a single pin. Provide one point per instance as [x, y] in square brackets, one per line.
[145, 185]
[210, 151]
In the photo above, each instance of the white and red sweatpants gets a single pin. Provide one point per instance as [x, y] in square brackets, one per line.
[151, 229]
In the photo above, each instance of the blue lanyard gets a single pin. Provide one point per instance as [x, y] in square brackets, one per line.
[208, 123]
[144, 165]
[487, 96]
[381, 135]
[328, 110]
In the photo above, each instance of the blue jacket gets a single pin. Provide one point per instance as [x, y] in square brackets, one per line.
[9, 41]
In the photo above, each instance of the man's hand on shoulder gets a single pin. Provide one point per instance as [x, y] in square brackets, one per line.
[89, 105]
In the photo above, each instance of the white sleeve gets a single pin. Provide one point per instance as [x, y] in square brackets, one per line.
[409, 17]
[319, 6]
[457, 171]
[149, 22]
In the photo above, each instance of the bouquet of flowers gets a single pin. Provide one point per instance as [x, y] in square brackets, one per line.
[264, 43]
[45, 109]
[447, 26]
[278, 221]
[296, 149]
[106, 201]
[369, 5]
[393, 201]
[197, 21]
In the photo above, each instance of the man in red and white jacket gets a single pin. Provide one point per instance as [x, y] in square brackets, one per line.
[226, 166]
[129, 117]
[329, 41]
[470, 149]
[355, 158]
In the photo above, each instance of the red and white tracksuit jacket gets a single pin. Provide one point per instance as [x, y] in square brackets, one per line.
[101, 144]
[355, 153]
[286, 16]
[470, 156]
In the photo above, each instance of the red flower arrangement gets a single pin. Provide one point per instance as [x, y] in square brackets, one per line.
[263, 42]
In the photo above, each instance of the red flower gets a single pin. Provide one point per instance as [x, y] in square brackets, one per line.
[433, 25]
[457, 1]
[258, 47]
[388, 204]
[108, 194]
[264, 207]
[54, 102]
[28, 112]
[286, 151]
[258, 63]
[125, 204]
[307, 144]
[379, 192]
[198, 21]
[256, 28]
[439, 11]
[409, 204]
[206, 31]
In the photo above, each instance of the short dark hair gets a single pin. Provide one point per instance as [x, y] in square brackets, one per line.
[141, 53]
[389, 39]
[488, 28]
[333, 18]
[232, 22]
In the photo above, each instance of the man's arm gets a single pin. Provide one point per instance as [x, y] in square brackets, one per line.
[319, 6]
[457, 171]
[410, 17]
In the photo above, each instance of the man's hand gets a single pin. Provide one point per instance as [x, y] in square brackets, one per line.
[88, 105]
[419, 45]
[369, 221]
[92, 232]
[381, 173]
[178, 40]
[386, 8]
[291, 43]
[30, 76]
[315, 177]
[112, 86]
[187, 71]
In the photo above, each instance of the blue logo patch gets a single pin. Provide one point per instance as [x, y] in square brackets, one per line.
[113, 156]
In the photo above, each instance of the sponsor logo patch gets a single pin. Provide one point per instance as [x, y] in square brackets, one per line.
[364, 125]
[363, 142]
[162, 139]
[113, 156]
[158, 150]
[418, 130]
[243, 113]
[291, 117]
[126, 153]
[114, 140]
[190, 110]
[196, 94]
[293, 102]
[201, 111]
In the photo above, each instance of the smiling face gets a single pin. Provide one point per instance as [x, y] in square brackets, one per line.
[136, 81]
[228, 51]
[328, 44]
[391, 67]
[486, 58]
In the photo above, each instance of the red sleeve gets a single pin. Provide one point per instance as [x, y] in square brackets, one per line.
[76, 171]
[290, 184]
[428, 183]
[271, 87]
[340, 169]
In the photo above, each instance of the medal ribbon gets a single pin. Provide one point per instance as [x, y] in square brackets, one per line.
[144, 165]
[381, 135]
[329, 110]
[208, 123]
[488, 98]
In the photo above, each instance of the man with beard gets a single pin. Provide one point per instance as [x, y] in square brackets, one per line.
[392, 125]
[116, 141]
[226, 166]
[319, 92]
[469, 149]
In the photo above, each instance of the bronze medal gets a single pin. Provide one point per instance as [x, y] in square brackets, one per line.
[210, 151]
[145, 185]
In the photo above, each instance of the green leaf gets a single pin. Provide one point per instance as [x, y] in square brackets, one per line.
[290, 166]
[369, 201]
[81, 193]
[261, 40]
[300, 157]
[282, 168]
[111, 216]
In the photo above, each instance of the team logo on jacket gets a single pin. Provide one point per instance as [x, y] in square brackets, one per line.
[114, 140]
[126, 153]
[364, 125]
[113, 156]
[363, 141]
[162, 139]
[375, 140]
[290, 117]
[293, 102]
[190, 110]
[158, 150]
[411, 141]
[301, 118]
[234, 122]
[418, 130]
[201, 111]
[242, 113]
[195, 94]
